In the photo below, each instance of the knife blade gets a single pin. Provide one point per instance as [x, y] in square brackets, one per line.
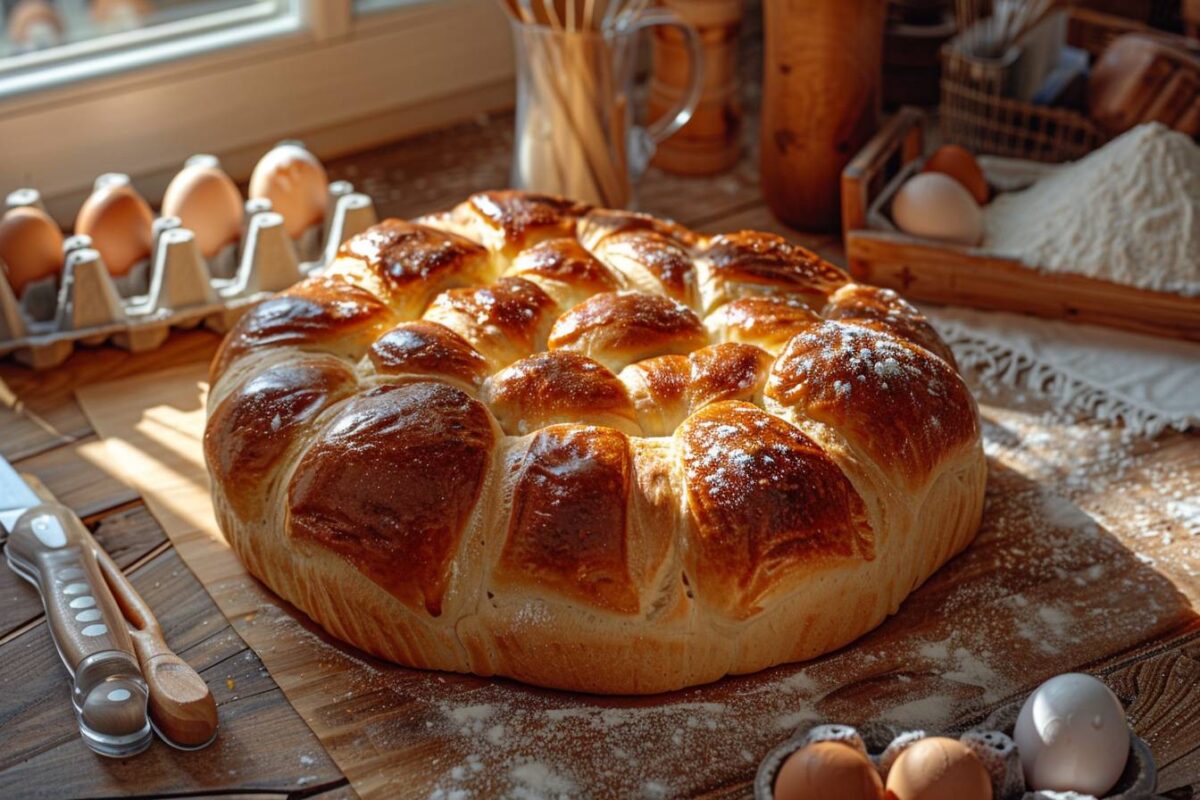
[49, 547]
[15, 498]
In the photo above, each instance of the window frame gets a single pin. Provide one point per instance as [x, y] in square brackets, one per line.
[337, 81]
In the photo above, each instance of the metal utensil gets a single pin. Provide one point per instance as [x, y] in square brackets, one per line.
[114, 628]
[47, 546]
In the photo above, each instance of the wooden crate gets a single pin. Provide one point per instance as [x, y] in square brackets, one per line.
[940, 272]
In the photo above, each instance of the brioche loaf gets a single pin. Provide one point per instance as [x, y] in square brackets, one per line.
[589, 449]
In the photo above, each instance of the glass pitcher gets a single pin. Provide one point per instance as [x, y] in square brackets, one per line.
[575, 131]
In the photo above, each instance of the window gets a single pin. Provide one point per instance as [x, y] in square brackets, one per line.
[164, 79]
[51, 42]
[371, 6]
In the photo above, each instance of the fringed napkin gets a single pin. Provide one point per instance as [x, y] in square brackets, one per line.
[1147, 383]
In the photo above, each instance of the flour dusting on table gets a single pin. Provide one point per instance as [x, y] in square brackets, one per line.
[1073, 577]
[1127, 213]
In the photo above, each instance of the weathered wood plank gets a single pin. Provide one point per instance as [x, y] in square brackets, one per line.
[25, 433]
[262, 743]
[45, 401]
[73, 473]
[1161, 694]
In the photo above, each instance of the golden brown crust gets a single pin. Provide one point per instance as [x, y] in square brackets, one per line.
[565, 270]
[600, 223]
[569, 507]
[255, 425]
[504, 321]
[768, 507]
[754, 263]
[523, 219]
[616, 328]
[406, 264]
[726, 371]
[884, 309]
[317, 314]
[767, 322]
[732, 500]
[427, 349]
[659, 389]
[390, 482]
[559, 386]
[652, 262]
[892, 399]
[666, 389]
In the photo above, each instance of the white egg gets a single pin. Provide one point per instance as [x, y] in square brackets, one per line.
[935, 206]
[1072, 736]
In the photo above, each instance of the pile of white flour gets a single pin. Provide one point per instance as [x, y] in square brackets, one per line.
[1128, 213]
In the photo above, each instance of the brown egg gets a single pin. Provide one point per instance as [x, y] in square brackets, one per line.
[826, 770]
[207, 202]
[958, 163]
[295, 182]
[938, 769]
[120, 223]
[31, 246]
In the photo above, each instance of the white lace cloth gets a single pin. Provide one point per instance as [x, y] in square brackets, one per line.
[1147, 383]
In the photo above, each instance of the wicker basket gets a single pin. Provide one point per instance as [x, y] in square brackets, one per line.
[1094, 31]
[976, 113]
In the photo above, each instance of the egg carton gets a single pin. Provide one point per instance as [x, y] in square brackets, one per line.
[175, 288]
[992, 742]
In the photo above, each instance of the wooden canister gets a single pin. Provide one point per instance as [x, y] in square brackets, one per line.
[711, 141]
[821, 98]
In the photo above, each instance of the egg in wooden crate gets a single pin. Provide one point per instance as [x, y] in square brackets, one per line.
[958, 163]
[935, 206]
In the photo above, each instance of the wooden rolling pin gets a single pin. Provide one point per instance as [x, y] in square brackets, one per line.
[711, 141]
[821, 98]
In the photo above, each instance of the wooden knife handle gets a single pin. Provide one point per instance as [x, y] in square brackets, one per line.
[181, 704]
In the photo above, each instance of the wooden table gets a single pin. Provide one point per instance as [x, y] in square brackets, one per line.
[265, 749]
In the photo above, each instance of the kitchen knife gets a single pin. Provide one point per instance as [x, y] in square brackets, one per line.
[181, 706]
[48, 546]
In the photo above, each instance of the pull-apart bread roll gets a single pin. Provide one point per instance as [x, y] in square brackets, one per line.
[589, 449]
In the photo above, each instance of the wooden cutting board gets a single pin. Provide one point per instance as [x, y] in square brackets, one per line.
[1087, 558]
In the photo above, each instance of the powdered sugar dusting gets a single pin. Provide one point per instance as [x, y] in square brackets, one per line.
[844, 371]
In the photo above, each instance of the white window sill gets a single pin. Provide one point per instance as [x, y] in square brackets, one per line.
[446, 60]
